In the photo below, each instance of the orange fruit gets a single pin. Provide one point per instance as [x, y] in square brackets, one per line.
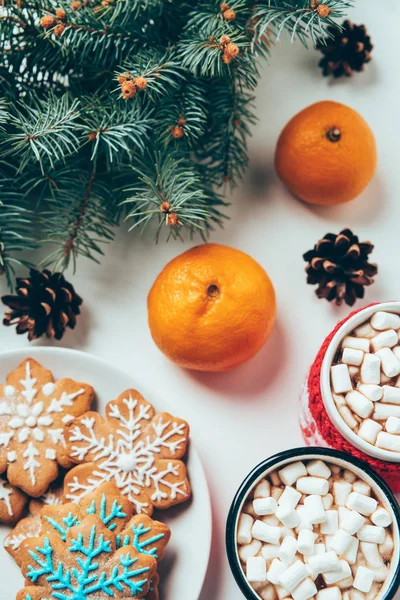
[211, 308]
[326, 154]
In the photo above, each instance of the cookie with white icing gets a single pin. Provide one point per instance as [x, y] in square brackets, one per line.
[137, 449]
[33, 412]
[12, 503]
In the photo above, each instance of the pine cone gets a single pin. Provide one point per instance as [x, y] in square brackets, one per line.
[339, 265]
[45, 304]
[345, 51]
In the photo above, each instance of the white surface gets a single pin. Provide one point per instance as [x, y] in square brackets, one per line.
[184, 566]
[241, 417]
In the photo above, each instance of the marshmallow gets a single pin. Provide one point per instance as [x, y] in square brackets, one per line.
[276, 492]
[387, 441]
[244, 529]
[371, 391]
[327, 501]
[318, 468]
[362, 504]
[270, 551]
[344, 584]
[391, 394]
[293, 575]
[386, 548]
[339, 401]
[262, 489]
[331, 593]
[354, 371]
[266, 533]
[349, 475]
[341, 381]
[304, 521]
[323, 563]
[305, 542]
[340, 541]
[364, 579]
[267, 593]
[384, 411]
[342, 572]
[381, 517]
[352, 357]
[390, 364]
[341, 491]
[356, 595]
[255, 569]
[371, 369]
[288, 516]
[365, 330]
[331, 523]
[290, 498]
[351, 553]
[343, 514]
[264, 506]
[271, 520]
[282, 593]
[386, 339]
[312, 485]
[372, 554]
[372, 534]
[359, 404]
[318, 550]
[393, 425]
[369, 430]
[307, 589]
[292, 472]
[249, 550]
[315, 509]
[356, 343]
[352, 522]
[385, 320]
[362, 488]
[380, 575]
[276, 569]
[287, 550]
[348, 417]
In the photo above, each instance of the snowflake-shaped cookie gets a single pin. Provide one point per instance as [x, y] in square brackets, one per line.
[12, 503]
[33, 412]
[134, 447]
[85, 566]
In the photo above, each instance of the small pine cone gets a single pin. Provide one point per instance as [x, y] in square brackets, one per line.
[323, 11]
[92, 136]
[61, 14]
[177, 132]
[345, 50]
[76, 5]
[229, 15]
[165, 207]
[227, 60]
[181, 121]
[172, 219]
[58, 31]
[224, 6]
[48, 21]
[124, 77]
[224, 40]
[128, 89]
[231, 50]
[141, 83]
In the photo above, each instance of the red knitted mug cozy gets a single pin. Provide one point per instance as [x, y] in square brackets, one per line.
[318, 429]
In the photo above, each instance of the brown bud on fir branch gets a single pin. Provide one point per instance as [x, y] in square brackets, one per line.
[130, 85]
[230, 49]
[227, 12]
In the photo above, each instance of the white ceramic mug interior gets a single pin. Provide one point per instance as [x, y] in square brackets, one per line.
[329, 403]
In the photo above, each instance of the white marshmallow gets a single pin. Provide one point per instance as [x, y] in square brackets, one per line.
[282, 593]
[266, 533]
[305, 542]
[264, 506]
[372, 554]
[364, 579]
[342, 572]
[371, 391]
[381, 574]
[391, 394]
[304, 522]
[385, 320]
[339, 401]
[384, 411]
[359, 404]
[362, 504]
[387, 441]
[393, 425]
[292, 472]
[271, 520]
[354, 371]
[331, 593]
[244, 529]
[362, 488]
[276, 492]
[286, 531]
[307, 589]
[341, 491]
[249, 550]
[381, 517]
[323, 563]
[290, 498]
[270, 551]
[331, 523]
[276, 569]
[293, 575]
[348, 417]
[352, 357]
[356, 343]
[349, 475]
[288, 549]
[369, 430]
[327, 501]
[390, 364]
[352, 522]
[396, 349]
[344, 584]
[372, 534]
[315, 509]
[312, 485]
[267, 593]
[371, 369]
[355, 595]
[340, 541]
[318, 468]
[341, 381]
[343, 514]
[262, 489]
[365, 330]
[288, 516]
[386, 548]
[255, 569]
[386, 339]
[351, 553]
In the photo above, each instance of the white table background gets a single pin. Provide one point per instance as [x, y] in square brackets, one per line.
[242, 417]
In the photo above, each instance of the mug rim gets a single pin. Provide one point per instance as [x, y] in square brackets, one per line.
[267, 464]
[326, 392]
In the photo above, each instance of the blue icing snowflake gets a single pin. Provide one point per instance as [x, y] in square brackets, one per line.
[140, 546]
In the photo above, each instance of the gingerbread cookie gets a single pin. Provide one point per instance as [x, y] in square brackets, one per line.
[33, 412]
[134, 447]
[53, 497]
[86, 565]
[26, 528]
[12, 503]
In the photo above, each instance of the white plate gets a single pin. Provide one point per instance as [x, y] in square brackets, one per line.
[184, 566]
